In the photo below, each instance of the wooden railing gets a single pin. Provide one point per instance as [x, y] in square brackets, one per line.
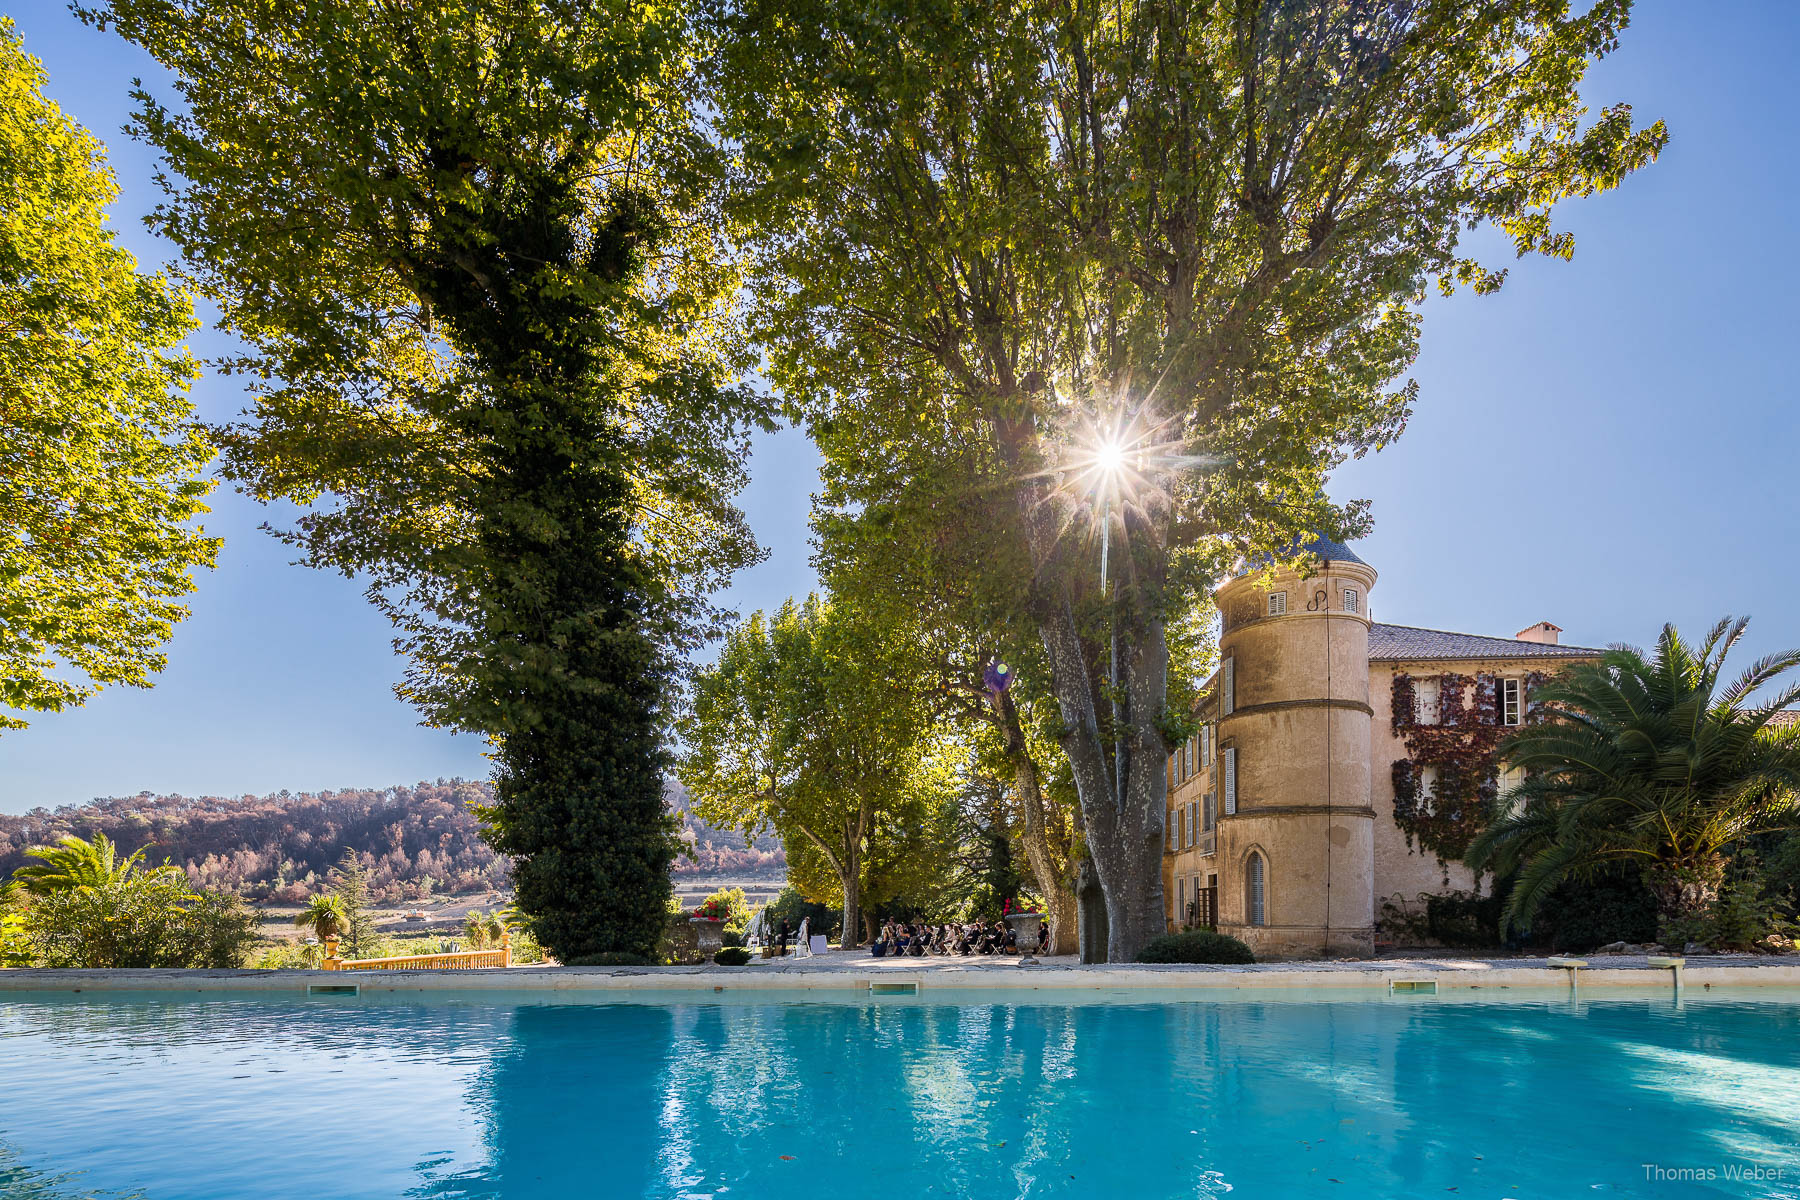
[462, 960]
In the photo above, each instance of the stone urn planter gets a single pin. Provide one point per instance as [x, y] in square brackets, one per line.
[711, 934]
[1025, 929]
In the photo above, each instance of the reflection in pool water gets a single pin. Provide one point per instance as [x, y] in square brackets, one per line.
[754, 1099]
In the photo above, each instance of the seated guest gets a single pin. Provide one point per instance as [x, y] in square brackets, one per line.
[1043, 939]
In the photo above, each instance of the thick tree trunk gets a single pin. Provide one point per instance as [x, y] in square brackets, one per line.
[1046, 850]
[852, 911]
[1120, 778]
[1091, 903]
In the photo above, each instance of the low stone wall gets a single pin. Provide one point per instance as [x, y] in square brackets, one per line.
[850, 973]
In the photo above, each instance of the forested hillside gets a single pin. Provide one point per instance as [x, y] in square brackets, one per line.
[416, 841]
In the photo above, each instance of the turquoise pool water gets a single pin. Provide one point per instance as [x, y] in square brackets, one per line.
[753, 1099]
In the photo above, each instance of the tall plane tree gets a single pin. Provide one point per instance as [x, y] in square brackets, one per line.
[101, 461]
[807, 724]
[465, 247]
[1158, 264]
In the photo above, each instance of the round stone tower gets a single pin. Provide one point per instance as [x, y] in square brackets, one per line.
[1295, 853]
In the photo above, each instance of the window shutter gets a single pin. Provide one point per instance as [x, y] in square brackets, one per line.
[1230, 780]
[1193, 822]
[1228, 686]
[1256, 882]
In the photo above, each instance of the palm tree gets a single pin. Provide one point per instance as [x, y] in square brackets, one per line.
[324, 915]
[483, 928]
[1643, 759]
[78, 863]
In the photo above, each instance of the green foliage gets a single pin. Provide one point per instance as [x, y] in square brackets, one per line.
[727, 905]
[805, 724]
[482, 931]
[1597, 909]
[324, 915]
[490, 340]
[351, 881]
[732, 956]
[219, 931]
[76, 863]
[147, 919]
[791, 905]
[15, 942]
[525, 948]
[991, 239]
[1746, 910]
[1653, 761]
[610, 958]
[1195, 946]
[1465, 920]
[100, 462]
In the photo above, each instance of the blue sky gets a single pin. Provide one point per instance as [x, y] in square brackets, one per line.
[1607, 444]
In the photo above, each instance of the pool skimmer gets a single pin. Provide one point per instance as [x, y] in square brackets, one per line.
[893, 987]
[334, 989]
[1412, 987]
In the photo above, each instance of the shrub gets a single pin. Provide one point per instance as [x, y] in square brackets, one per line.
[793, 907]
[525, 948]
[146, 920]
[1582, 914]
[610, 958]
[1195, 946]
[1464, 920]
[15, 942]
[220, 931]
[732, 956]
[731, 937]
[1743, 913]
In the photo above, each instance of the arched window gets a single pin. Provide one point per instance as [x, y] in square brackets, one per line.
[1255, 890]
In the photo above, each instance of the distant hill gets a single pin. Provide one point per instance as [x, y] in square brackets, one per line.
[721, 852]
[416, 841]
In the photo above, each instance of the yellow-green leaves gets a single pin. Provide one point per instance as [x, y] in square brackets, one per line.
[100, 462]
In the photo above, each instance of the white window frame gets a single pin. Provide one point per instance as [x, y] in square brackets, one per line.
[1351, 600]
[1228, 685]
[1278, 604]
[1427, 785]
[1432, 712]
[1512, 701]
[1230, 788]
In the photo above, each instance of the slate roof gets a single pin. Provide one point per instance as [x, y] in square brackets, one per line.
[1315, 545]
[1408, 643]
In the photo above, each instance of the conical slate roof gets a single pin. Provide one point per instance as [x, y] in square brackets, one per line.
[1315, 545]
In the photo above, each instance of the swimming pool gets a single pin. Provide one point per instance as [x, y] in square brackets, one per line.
[766, 1097]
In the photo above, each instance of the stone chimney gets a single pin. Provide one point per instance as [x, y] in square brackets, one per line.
[1543, 632]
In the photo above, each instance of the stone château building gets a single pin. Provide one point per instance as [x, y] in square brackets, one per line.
[1338, 760]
